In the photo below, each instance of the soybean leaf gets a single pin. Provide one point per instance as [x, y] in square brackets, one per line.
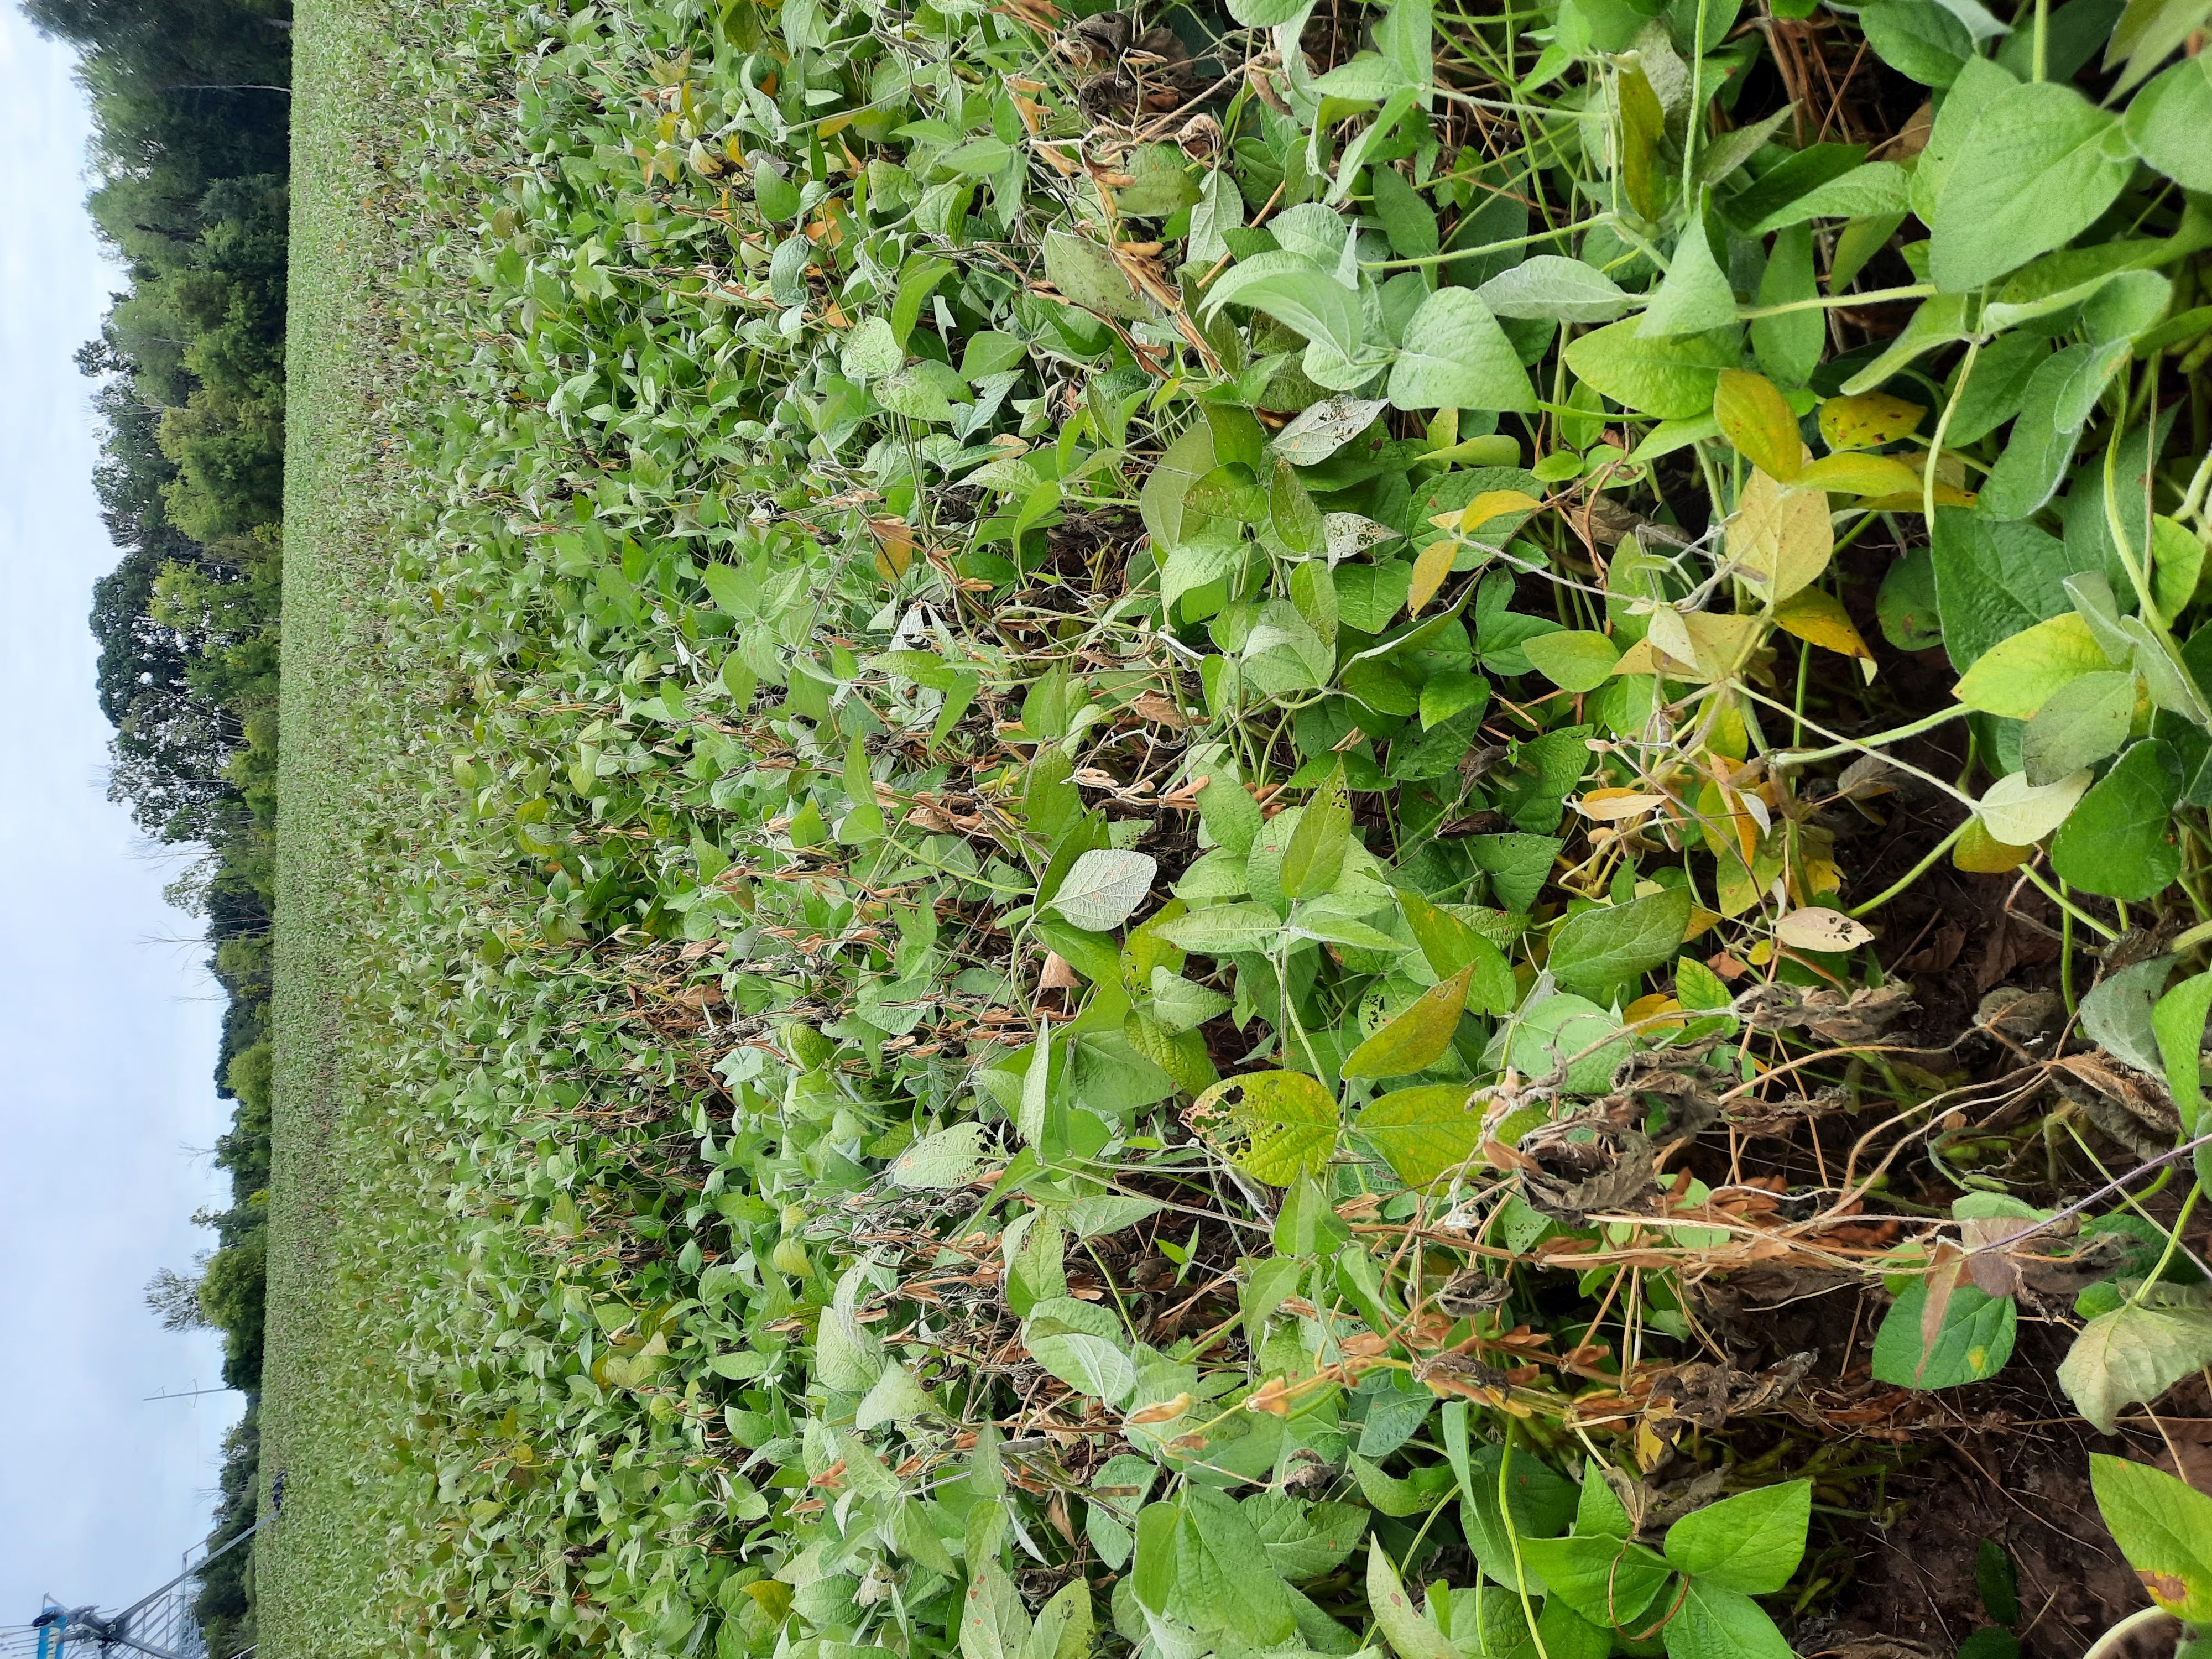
[2132, 1356]
[1994, 580]
[2164, 1527]
[1409, 1636]
[1417, 1038]
[1713, 1621]
[1288, 1119]
[1919, 38]
[2017, 676]
[1103, 887]
[942, 1160]
[2168, 120]
[1087, 274]
[1695, 298]
[1670, 378]
[1608, 946]
[2081, 723]
[1573, 659]
[1552, 288]
[1756, 418]
[1973, 1342]
[1455, 356]
[1317, 433]
[1610, 1582]
[1781, 539]
[1315, 853]
[2120, 841]
[2036, 170]
[1223, 1578]
[1221, 930]
[1751, 1542]
[1425, 1133]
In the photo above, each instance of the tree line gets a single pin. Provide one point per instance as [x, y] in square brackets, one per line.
[190, 157]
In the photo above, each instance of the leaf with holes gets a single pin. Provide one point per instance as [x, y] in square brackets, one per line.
[1287, 1121]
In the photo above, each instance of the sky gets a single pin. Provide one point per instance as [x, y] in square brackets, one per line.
[108, 1024]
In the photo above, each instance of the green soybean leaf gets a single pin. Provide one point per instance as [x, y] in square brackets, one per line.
[1671, 379]
[1604, 948]
[1713, 1622]
[2120, 841]
[1289, 1121]
[2178, 1022]
[1919, 38]
[1992, 581]
[1973, 1343]
[1103, 886]
[1221, 930]
[1409, 1636]
[2035, 171]
[1573, 659]
[1457, 356]
[1314, 856]
[2168, 120]
[2016, 676]
[2164, 1527]
[1087, 274]
[1450, 945]
[1751, 1542]
[2080, 723]
[1610, 1582]
[1552, 288]
[1695, 298]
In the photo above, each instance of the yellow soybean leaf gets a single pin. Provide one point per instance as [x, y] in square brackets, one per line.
[1817, 615]
[1780, 540]
[1984, 855]
[1490, 504]
[2015, 677]
[1425, 1133]
[1859, 475]
[1870, 418]
[1429, 570]
[1287, 1121]
[1418, 1037]
[1755, 417]
[1722, 643]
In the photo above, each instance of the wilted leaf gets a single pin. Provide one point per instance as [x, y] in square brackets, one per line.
[2131, 1357]
[1814, 929]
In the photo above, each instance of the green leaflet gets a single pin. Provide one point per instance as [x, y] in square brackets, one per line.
[1973, 1342]
[2035, 170]
[1425, 1133]
[1669, 379]
[1457, 357]
[1750, 1543]
[1288, 1120]
[2120, 841]
[1604, 948]
[2165, 1529]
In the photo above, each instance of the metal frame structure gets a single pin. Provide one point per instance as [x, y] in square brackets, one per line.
[161, 1625]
